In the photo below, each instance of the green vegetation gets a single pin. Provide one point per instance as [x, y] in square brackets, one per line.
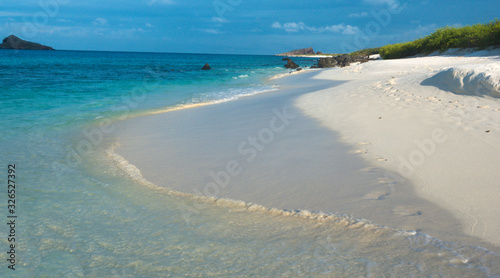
[366, 52]
[475, 36]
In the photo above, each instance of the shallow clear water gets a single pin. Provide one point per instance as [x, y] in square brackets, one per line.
[80, 216]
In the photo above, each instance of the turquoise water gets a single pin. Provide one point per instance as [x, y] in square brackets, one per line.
[80, 216]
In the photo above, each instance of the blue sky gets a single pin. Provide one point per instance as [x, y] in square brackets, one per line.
[233, 26]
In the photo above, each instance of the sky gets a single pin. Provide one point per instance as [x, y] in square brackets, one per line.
[234, 26]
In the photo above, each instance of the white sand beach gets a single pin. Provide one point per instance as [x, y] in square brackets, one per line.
[433, 120]
[385, 140]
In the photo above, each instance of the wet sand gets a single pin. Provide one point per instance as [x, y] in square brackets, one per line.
[264, 150]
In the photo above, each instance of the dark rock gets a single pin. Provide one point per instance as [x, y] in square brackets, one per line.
[13, 42]
[319, 52]
[291, 64]
[327, 62]
[299, 69]
[340, 61]
[206, 67]
[361, 59]
[285, 59]
[314, 67]
[343, 60]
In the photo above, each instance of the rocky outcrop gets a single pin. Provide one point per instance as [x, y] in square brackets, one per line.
[319, 53]
[291, 64]
[328, 62]
[343, 60]
[340, 61]
[303, 51]
[206, 67]
[13, 42]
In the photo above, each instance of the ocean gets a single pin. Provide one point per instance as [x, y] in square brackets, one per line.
[72, 213]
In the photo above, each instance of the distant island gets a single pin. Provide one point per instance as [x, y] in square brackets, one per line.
[298, 52]
[13, 42]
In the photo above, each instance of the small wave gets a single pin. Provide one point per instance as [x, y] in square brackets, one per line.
[280, 75]
[449, 254]
[343, 219]
[231, 94]
[208, 99]
[240, 76]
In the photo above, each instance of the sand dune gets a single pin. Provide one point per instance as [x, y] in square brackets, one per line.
[474, 80]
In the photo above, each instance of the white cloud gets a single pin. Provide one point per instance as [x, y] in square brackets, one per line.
[208, 30]
[126, 33]
[276, 25]
[294, 27]
[350, 30]
[10, 14]
[219, 20]
[160, 2]
[211, 31]
[79, 32]
[394, 4]
[100, 21]
[425, 29]
[363, 14]
[301, 26]
[341, 28]
[381, 2]
[335, 28]
[63, 20]
[149, 25]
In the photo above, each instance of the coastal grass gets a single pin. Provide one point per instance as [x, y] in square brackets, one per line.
[366, 52]
[473, 36]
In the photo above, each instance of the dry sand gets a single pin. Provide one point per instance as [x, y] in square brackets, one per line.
[369, 141]
[432, 120]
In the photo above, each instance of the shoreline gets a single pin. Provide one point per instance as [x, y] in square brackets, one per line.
[408, 217]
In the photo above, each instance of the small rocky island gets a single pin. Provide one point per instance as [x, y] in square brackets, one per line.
[299, 52]
[13, 42]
